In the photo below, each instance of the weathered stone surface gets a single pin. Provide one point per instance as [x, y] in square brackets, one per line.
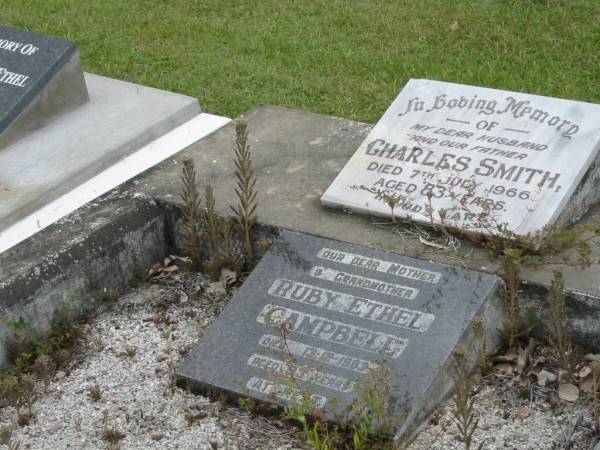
[40, 78]
[119, 119]
[345, 308]
[71, 265]
[488, 159]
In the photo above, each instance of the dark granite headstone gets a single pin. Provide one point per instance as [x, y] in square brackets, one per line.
[37, 72]
[346, 307]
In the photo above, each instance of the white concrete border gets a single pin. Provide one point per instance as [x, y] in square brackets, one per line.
[130, 166]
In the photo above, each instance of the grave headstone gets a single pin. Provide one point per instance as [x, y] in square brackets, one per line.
[54, 136]
[327, 312]
[40, 78]
[474, 158]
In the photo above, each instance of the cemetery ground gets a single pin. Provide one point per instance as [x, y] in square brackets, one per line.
[112, 386]
[346, 59]
[111, 382]
[93, 362]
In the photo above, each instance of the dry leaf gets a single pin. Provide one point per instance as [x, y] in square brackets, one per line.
[183, 297]
[505, 358]
[524, 382]
[216, 287]
[592, 357]
[171, 269]
[183, 259]
[584, 372]
[523, 413]
[538, 361]
[568, 392]
[505, 367]
[228, 277]
[545, 377]
[454, 26]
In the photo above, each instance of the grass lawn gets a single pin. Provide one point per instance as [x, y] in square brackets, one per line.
[341, 57]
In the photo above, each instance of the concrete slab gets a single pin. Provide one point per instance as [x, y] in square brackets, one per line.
[297, 154]
[127, 168]
[119, 119]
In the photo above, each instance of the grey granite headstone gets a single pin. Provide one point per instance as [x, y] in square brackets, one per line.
[346, 308]
[40, 78]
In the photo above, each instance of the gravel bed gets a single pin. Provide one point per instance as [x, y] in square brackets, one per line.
[509, 421]
[131, 353]
[128, 358]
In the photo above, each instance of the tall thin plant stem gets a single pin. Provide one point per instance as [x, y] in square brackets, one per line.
[245, 211]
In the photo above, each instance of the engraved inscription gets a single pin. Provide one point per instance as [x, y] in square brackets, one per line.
[353, 259]
[333, 331]
[370, 284]
[301, 373]
[314, 354]
[13, 78]
[351, 305]
[282, 392]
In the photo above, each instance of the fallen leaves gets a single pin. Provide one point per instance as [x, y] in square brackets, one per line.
[525, 365]
[568, 392]
[169, 267]
[228, 277]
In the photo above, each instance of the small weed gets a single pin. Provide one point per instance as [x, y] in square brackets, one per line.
[161, 318]
[245, 211]
[213, 220]
[369, 426]
[513, 328]
[479, 331]
[95, 392]
[111, 295]
[222, 234]
[191, 417]
[21, 393]
[77, 422]
[109, 434]
[6, 432]
[247, 403]
[225, 251]
[190, 196]
[596, 395]
[172, 366]
[43, 367]
[371, 421]
[466, 421]
[129, 352]
[559, 338]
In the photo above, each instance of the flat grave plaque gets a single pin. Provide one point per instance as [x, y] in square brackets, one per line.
[29, 62]
[346, 308]
[477, 159]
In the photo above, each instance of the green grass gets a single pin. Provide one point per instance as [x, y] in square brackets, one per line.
[340, 57]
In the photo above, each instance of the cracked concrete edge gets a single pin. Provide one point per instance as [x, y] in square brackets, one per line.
[99, 248]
